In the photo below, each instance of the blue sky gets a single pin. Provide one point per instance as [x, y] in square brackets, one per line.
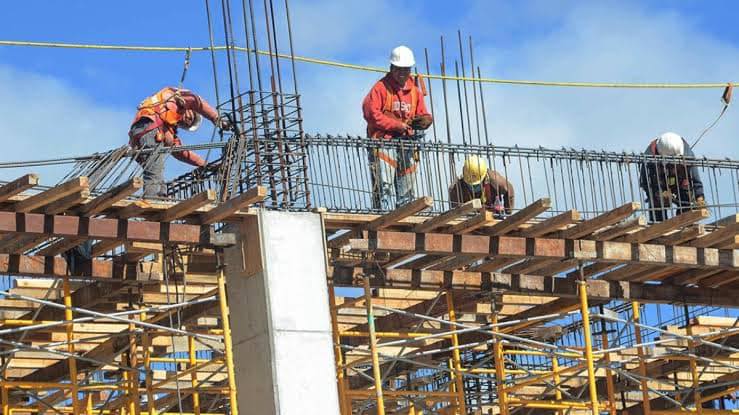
[85, 99]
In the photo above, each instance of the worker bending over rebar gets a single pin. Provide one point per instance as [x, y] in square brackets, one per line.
[155, 125]
[670, 182]
[480, 182]
[395, 108]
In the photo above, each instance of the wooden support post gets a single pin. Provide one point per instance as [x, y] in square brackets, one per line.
[693, 366]
[499, 366]
[68, 316]
[133, 377]
[373, 348]
[585, 312]
[194, 375]
[5, 399]
[146, 344]
[610, 388]
[344, 400]
[642, 365]
[456, 356]
[227, 344]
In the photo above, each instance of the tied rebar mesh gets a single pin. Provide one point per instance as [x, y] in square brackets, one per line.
[265, 149]
[335, 172]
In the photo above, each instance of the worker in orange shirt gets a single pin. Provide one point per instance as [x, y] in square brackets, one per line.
[156, 125]
[395, 109]
[478, 182]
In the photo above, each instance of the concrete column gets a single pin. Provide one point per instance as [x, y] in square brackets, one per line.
[280, 321]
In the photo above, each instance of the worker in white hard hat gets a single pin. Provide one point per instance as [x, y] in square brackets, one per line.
[395, 109]
[479, 182]
[668, 182]
[156, 124]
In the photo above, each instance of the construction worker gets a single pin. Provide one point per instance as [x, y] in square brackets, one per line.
[480, 182]
[156, 123]
[667, 183]
[395, 108]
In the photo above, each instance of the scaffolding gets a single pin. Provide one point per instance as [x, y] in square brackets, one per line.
[572, 303]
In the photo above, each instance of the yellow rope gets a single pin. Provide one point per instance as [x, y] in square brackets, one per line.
[376, 69]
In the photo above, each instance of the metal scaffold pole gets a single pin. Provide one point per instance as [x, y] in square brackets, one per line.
[376, 373]
[227, 343]
[585, 313]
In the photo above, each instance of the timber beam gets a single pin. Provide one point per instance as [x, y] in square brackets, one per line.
[533, 285]
[518, 247]
[96, 228]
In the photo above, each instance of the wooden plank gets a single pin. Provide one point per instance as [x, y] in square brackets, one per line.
[103, 247]
[601, 221]
[522, 216]
[494, 264]
[452, 263]
[409, 209]
[658, 229]
[137, 209]
[187, 207]
[17, 186]
[384, 221]
[728, 228]
[620, 229]
[552, 224]
[682, 236]
[231, 206]
[718, 280]
[482, 218]
[66, 203]
[109, 198]
[49, 196]
[691, 277]
[448, 216]
[533, 285]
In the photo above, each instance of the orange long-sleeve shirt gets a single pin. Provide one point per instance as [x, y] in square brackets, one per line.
[389, 124]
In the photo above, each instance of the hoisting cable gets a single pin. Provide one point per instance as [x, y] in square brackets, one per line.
[185, 67]
[726, 99]
[369, 68]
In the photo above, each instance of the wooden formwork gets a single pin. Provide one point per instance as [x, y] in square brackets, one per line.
[450, 299]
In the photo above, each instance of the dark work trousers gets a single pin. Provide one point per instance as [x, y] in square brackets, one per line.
[78, 258]
[152, 163]
[659, 207]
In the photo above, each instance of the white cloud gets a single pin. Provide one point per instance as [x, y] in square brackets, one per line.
[45, 118]
[584, 42]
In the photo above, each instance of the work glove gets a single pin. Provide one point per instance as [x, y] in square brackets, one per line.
[700, 202]
[667, 195]
[421, 122]
[224, 123]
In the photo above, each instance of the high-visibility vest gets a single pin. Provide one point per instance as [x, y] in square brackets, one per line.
[162, 109]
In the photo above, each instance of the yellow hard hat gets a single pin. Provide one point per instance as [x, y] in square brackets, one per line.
[474, 170]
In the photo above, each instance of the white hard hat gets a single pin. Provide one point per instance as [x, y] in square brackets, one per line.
[670, 144]
[402, 57]
[197, 120]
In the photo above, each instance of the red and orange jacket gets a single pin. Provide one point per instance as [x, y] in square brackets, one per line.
[165, 109]
[388, 106]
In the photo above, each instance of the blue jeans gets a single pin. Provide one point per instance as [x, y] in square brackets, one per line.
[393, 173]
